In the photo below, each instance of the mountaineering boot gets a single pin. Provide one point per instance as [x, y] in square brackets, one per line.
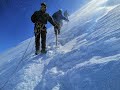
[37, 52]
[43, 51]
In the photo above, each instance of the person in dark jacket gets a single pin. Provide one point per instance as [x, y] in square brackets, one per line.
[40, 18]
[58, 18]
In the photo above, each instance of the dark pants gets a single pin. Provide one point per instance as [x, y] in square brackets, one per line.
[57, 31]
[43, 40]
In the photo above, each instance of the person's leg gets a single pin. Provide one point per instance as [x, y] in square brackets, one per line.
[37, 41]
[43, 39]
[59, 28]
[55, 30]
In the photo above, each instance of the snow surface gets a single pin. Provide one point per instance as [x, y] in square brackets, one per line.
[87, 56]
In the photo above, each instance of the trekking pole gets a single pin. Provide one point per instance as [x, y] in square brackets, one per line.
[56, 40]
[56, 37]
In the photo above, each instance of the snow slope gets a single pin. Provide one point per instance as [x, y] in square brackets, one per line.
[87, 57]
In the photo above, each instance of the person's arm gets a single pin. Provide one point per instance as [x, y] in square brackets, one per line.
[52, 22]
[68, 14]
[34, 17]
[64, 18]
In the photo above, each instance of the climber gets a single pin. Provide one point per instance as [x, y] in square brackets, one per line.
[40, 18]
[58, 18]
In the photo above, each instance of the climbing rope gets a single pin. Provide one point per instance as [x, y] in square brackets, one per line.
[17, 65]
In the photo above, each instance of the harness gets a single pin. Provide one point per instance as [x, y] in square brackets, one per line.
[38, 27]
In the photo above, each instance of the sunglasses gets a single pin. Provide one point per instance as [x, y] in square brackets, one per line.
[43, 6]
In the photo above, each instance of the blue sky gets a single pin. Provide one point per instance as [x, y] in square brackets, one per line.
[15, 22]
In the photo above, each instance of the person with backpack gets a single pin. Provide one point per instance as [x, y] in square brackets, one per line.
[58, 18]
[40, 18]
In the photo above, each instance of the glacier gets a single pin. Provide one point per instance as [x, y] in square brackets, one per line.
[87, 56]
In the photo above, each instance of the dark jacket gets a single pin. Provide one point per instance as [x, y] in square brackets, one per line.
[42, 17]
